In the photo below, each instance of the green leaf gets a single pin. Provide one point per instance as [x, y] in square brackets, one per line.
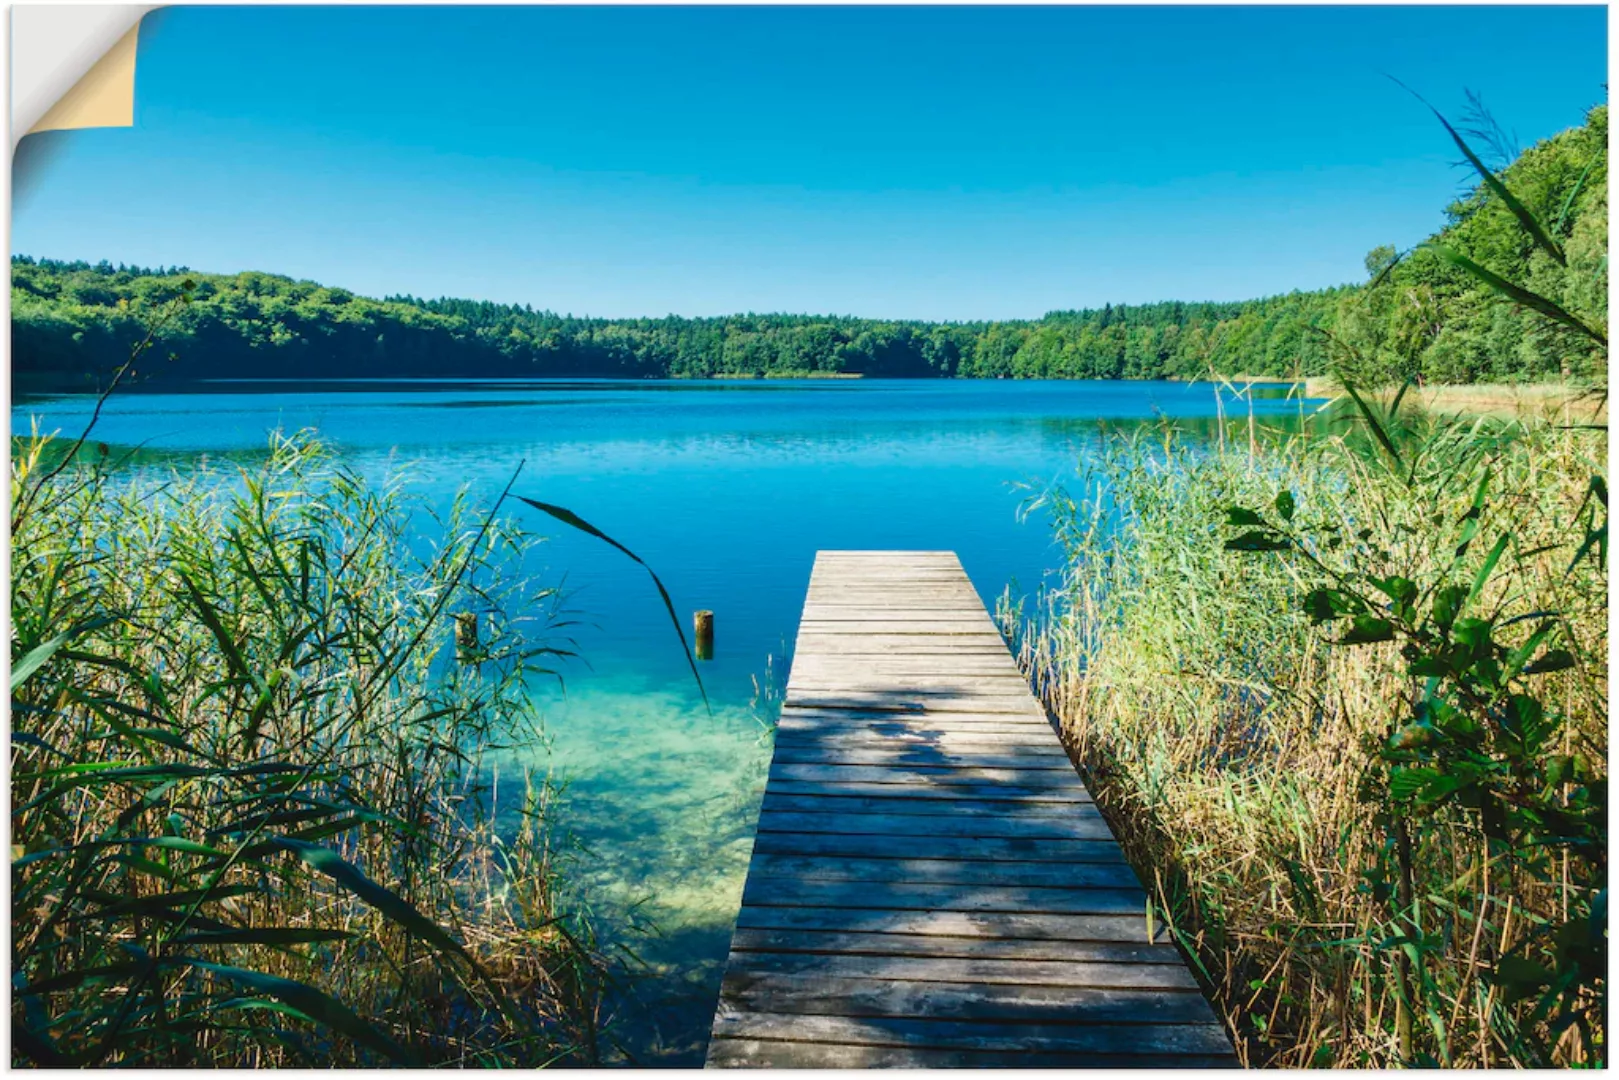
[1379, 432]
[1518, 294]
[1325, 604]
[1550, 660]
[1259, 541]
[216, 626]
[390, 904]
[1447, 604]
[318, 1006]
[1285, 505]
[1488, 568]
[1368, 629]
[36, 658]
[1474, 635]
[263, 935]
[1237, 516]
[1396, 588]
[1520, 977]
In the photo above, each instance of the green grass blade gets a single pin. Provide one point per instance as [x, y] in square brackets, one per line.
[1574, 192]
[36, 658]
[569, 518]
[1379, 432]
[393, 906]
[1493, 182]
[320, 1007]
[1518, 294]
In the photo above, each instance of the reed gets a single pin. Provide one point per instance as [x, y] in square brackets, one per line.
[252, 816]
[1256, 760]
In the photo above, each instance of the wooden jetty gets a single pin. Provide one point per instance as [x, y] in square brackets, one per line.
[931, 884]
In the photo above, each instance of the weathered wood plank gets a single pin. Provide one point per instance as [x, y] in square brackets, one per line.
[814, 995]
[830, 610]
[885, 720]
[1052, 827]
[1091, 1036]
[927, 789]
[974, 969]
[988, 670]
[921, 754]
[934, 774]
[914, 702]
[931, 808]
[857, 943]
[897, 896]
[942, 871]
[1128, 929]
[730, 1052]
[1011, 738]
[981, 848]
[942, 693]
[969, 739]
[931, 884]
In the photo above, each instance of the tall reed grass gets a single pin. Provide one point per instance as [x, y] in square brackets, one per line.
[1242, 749]
[252, 821]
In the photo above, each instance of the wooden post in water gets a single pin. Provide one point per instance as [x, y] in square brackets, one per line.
[466, 635]
[703, 624]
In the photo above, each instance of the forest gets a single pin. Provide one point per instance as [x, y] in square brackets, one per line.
[1417, 315]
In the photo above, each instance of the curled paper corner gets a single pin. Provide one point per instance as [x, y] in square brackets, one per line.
[74, 66]
[104, 97]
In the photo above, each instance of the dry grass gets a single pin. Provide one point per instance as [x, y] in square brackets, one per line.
[1228, 739]
[1553, 403]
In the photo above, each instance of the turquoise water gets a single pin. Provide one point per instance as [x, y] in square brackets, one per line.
[728, 489]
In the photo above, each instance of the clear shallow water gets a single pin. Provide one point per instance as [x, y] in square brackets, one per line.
[728, 489]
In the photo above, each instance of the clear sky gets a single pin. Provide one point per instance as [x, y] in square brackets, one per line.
[944, 163]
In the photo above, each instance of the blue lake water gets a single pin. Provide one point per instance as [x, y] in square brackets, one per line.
[727, 489]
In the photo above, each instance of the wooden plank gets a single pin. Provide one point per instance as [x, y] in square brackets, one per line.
[856, 943]
[912, 667]
[1129, 929]
[978, 970]
[1010, 738]
[906, 678]
[914, 702]
[995, 693]
[814, 995]
[921, 756]
[823, 803]
[732, 1052]
[951, 745]
[904, 896]
[930, 883]
[835, 722]
[942, 775]
[1099, 1036]
[883, 719]
[942, 871]
[1075, 827]
[989, 790]
[900, 646]
[980, 848]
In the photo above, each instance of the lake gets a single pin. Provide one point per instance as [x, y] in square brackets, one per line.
[727, 488]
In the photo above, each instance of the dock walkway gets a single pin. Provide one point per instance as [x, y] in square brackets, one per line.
[931, 884]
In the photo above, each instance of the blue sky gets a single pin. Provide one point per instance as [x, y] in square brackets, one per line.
[945, 163]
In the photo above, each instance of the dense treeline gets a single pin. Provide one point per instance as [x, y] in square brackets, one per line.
[74, 318]
[1422, 317]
